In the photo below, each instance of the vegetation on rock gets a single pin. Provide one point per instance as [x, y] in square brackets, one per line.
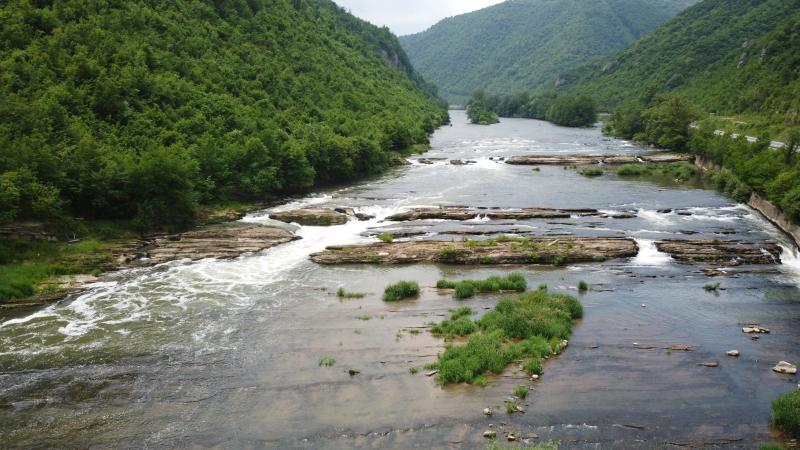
[401, 291]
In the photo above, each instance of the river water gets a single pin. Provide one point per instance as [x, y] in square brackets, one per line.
[225, 353]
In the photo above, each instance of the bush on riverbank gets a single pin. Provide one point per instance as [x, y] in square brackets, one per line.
[529, 326]
[401, 291]
[786, 414]
[592, 172]
[468, 288]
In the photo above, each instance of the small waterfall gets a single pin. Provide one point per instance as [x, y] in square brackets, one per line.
[649, 254]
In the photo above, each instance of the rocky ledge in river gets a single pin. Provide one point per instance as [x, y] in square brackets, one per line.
[466, 213]
[582, 160]
[311, 217]
[729, 253]
[224, 241]
[513, 251]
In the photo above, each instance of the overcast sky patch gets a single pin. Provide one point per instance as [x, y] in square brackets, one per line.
[411, 16]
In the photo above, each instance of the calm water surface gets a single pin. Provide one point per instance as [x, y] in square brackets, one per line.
[225, 354]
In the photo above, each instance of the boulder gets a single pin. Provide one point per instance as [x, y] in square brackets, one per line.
[311, 217]
[731, 253]
[785, 368]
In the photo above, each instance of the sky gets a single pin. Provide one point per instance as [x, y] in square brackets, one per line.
[411, 16]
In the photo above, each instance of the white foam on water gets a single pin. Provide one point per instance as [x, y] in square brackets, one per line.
[655, 217]
[649, 255]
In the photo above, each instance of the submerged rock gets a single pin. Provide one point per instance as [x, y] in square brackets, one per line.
[311, 217]
[785, 368]
[556, 250]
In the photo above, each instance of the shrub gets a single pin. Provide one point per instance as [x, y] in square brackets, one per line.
[386, 237]
[786, 414]
[583, 286]
[712, 287]
[401, 291]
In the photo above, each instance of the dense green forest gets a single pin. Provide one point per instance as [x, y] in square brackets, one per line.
[144, 109]
[565, 110]
[727, 56]
[665, 121]
[520, 45]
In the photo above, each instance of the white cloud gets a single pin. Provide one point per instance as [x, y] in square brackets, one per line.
[411, 16]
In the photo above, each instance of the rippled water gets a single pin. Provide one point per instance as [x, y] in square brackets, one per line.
[225, 353]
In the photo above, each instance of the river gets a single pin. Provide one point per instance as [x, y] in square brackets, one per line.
[225, 353]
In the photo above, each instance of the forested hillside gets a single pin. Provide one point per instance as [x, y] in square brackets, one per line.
[144, 109]
[520, 45]
[726, 56]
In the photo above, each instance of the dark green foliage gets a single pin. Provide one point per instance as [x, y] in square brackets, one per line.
[664, 121]
[572, 111]
[786, 414]
[712, 287]
[562, 110]
[728, 56]
[751, 167]
[401, 291]
[530, 326]
[583, 286]
[478, 110]
[524, 44]
[676, 171]
[143, 110]
[533, 366]
[468, 288]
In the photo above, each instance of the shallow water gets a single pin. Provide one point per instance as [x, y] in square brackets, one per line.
[225, 353]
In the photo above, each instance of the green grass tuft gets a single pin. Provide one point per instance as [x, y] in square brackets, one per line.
[467, 288]
[786, 414]
[341, 293]
[583, 286]
[712, 287]
[459, 324]
[401, 291]
[592, 171]
[521, 391]
[327, 361]
[386, 237]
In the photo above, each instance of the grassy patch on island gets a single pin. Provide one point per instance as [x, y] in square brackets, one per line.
[468, 288]
[527, 327]
[786, 414]
[401, 291]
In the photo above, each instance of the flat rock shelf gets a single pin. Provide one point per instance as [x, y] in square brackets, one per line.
[583, 160]
[527, 251]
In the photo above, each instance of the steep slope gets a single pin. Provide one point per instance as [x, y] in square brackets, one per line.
[520, 44]
[144, 109]
[728, 56]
